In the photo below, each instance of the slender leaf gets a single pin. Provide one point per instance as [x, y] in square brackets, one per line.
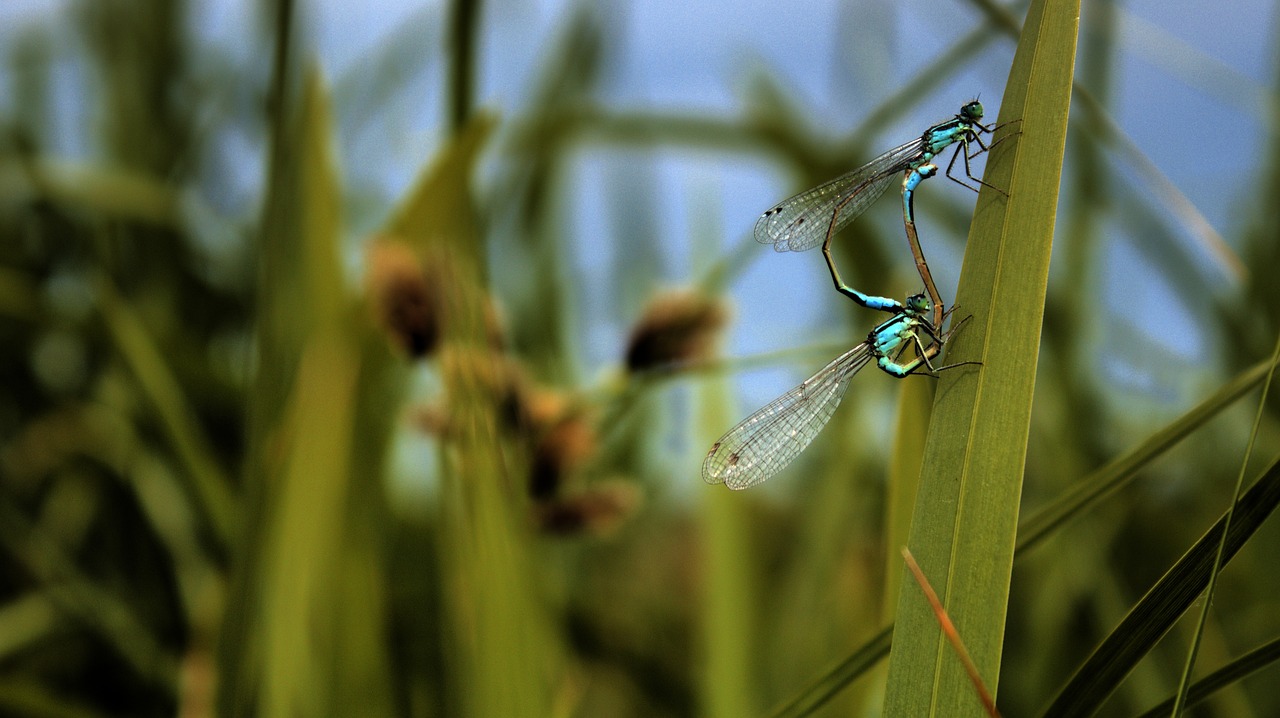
[1230, 674]
[963, 529]
[1087, 492]
[1165, 603]
[822, 689]
[1105, 481]
[209, 485]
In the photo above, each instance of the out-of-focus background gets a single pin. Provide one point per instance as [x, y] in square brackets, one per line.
[360, 359]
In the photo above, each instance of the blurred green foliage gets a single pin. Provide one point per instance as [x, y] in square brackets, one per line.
[261, 463]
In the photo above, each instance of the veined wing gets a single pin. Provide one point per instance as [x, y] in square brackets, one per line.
[769, 439]
[801, 222]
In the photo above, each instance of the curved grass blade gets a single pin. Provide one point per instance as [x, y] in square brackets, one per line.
[1088, 491]
[1251, 662]
[209, 486]
[1184, 683]
[1110, 478]
[1165, 603]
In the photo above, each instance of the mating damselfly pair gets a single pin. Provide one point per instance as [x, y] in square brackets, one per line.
[765, 442]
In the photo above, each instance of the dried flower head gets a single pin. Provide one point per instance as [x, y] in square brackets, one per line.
[678, 326]
[492, 375]
[406, 301]
[597, 511]
[414, 293]
[557, 452]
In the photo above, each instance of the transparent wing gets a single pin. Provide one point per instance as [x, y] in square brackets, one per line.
[769, 439]
[801, 222]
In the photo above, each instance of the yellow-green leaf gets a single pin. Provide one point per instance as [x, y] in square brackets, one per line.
[963, 528]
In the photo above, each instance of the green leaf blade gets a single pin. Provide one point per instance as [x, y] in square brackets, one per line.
[964, 525]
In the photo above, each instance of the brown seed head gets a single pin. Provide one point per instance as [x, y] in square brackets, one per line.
[561, 449]
[597, 511]
[678, 326]
[405, 301]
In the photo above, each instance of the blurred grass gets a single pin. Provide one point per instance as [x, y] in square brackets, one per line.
[1165, 603]
[237, 481]
[211, 488]
[314, 604]
[1227, 676]
[504, 654]
[915, 404]
[1072, 505]
[1220, 555]
[732, 586]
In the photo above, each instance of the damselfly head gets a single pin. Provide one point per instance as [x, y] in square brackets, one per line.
[971, 111]
[919, 303]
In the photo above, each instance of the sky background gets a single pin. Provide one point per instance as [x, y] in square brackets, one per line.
[1190, 88]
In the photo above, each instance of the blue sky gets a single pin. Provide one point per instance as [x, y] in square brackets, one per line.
[1191, 90]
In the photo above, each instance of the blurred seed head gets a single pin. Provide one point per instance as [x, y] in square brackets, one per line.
[678, 326]
[432, 419]
[491, 374]
[597, 511]
[540, 407]
[555, 434]
[557, 452]
[414, 293]
[405, 296]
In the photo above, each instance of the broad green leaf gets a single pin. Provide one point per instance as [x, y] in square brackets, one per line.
[964, 525]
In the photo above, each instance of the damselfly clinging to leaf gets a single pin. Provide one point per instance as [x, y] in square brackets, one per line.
[769, 439]
[814, 216]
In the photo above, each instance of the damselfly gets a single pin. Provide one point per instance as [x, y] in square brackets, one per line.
[771, 438]
[813, 217]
